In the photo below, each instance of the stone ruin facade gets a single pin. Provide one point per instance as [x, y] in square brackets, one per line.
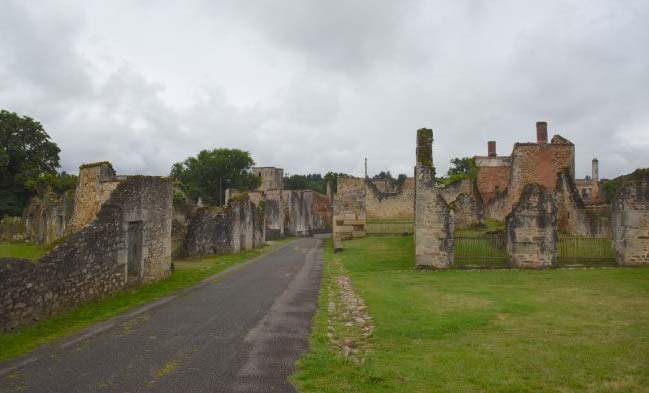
[236, 227]
[126, 241]
[349, 211]
[631, 220]
[531, 229]
[288, 212]
[434, 219]
[535, 219]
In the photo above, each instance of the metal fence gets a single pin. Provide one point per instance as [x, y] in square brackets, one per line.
[482, 250]
[390, 228]
[589, 251]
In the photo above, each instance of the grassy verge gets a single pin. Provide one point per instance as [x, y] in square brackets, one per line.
[22, 250]
[581, 330]
[188, 272]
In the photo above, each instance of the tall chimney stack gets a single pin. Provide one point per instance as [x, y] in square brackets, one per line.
[541, 132]
[491, 148]
[595, 169]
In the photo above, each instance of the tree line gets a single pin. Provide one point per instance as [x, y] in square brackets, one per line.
[30, 163]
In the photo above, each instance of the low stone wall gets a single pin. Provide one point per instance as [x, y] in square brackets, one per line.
[12, 229]
[631, 220]
[94, 261]
[531, 229]
[238, 226]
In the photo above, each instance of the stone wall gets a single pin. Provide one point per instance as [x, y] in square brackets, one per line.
[12, 229]
[576, 218]
[96, 260]
[47, 218]
[221, 230]
[292, 212]
[96, 182]
[386, 202]
[531, 229]
[467, 210]
[271, 178]
[349, 210]
[434, 220]
[631, 220]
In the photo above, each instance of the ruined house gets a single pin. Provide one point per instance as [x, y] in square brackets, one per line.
[120, 234]
[288, 212]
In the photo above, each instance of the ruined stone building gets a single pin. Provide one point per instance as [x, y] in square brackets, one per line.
[119, 234]
[288, 212]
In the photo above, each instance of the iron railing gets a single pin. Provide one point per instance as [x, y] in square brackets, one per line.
[390, 228]
[588, 251]
[483, 250]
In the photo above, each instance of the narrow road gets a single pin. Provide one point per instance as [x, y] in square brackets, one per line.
[241, 333]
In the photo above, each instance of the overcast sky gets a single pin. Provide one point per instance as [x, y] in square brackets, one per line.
[312, 85]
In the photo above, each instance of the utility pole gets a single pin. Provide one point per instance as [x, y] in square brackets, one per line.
[365, 166]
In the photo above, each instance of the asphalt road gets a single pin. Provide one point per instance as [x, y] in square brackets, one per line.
[241, 333]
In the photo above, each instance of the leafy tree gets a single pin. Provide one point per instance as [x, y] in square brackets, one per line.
[461, 168]
[401, 179]
[383, 176]
[57, 182]
[332, 177]
[26, 153]
[312, 181]
[465, 165]
[211, 172]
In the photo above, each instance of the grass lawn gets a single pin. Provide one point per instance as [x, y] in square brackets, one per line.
[22, 250]
[563, 330]
[188, 272]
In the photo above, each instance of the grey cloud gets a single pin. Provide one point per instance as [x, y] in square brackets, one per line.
[314, 86]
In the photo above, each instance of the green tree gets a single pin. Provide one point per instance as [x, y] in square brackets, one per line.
[26, 153]
[464, 165]
[212, 172]
[311, 181]
[332, 178]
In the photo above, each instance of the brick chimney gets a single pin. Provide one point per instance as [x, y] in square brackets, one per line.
[541, 132]
[491, 148]
[595, 169]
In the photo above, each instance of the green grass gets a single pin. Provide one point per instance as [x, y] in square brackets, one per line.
[564, 330]
[23, 250]
[188, 272]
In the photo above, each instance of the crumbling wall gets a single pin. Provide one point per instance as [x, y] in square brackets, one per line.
[220, 230]
[298, 212]
[386, 202]
[434, 221]
[631, 220]
[467, 210]
[321, 213]
[531, 229]
[96, 183]
[275, 214]
[12, 229]
[47, 218]
[349, 210]
[93, 262]
[493, 176]
[573, 216]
